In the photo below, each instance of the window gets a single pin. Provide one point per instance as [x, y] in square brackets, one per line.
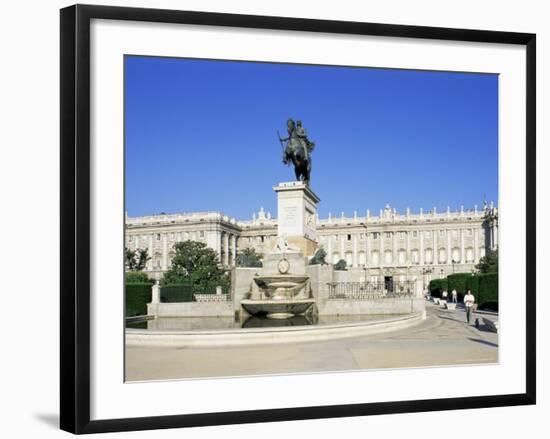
[130, 238]
[414, 256]
[442, 233]
[388, 257]
[428, 256]
[172, 235]
[349, 259]
[469, 254]
[375, 257]
[263, 238]
[442, 256]
[402, 256]
[388, 235]
[375, 235]
[349, 237]
[362, 260]
[470, 232]
[158, 236]
[456, 254]
[415, 233]
[336, 237]
[201, 233]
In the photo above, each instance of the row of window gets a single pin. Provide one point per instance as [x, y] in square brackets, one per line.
[469, 256]
[179, 236]
[400, 234]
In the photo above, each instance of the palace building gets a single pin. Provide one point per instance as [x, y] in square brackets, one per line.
[390, 245]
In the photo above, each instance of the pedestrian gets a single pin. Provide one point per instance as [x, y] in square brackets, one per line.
[444, 295]
[454, 295]
[469, 301]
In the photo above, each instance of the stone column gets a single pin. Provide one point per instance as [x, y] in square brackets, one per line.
[329, 249]
[151, 252]
[342, 247]
[476, 245]
[381, 249]
[394, 249]
[435, 249]
[421, 255]
[408, 249]
[367, 249]
[233, 249]
[462, 246]
[165, 251]
[448, 249]
[354, 237]
[225, 249]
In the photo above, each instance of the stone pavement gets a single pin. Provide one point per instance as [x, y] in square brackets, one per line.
[444, 338]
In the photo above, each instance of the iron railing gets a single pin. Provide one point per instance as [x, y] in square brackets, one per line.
[370, 290]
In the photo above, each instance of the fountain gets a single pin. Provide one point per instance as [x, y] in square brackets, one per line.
[284, 290]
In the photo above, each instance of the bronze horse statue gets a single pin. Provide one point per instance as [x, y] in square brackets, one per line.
[297, 150]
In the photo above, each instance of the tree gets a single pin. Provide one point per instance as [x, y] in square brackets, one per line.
[195, 264]
[489, 262]
[136, 260]
[249, 258]
[340, 265]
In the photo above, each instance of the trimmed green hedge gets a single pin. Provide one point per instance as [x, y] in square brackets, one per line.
[487, 296]
[458, 282]
[472, 284]
[138, 277]
[138, 295]
[436, 287]
[177, 293]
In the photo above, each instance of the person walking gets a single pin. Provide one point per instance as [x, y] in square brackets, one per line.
[444, 295]
[454, 295]
[469, 301]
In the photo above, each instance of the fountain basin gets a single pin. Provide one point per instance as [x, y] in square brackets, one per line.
[277, 308]
[281, 286]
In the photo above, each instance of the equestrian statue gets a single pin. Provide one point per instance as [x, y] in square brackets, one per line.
[297, 150]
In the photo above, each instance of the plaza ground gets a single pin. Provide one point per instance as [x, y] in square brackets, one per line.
[444, 338]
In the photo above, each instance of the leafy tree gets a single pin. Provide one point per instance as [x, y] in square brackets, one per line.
[194, 264]
[249, 258]
[340, 265]
[489, 262]
[136, 260]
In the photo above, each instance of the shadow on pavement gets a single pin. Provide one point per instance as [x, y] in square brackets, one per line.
[479, 340]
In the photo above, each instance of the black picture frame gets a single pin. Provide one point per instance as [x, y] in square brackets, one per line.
[75, 217]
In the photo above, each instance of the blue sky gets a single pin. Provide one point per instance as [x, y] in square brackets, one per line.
[202, 135]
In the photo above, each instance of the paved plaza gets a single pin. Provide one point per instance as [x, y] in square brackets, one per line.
[444, 338]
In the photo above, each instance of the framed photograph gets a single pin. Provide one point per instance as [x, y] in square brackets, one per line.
[276, 218]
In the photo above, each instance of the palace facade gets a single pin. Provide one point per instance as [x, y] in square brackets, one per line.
[401, 246]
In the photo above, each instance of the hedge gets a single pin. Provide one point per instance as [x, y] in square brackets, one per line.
[472, 284]
[137, 277]
[487, 296]
[437, 286]
[177, 293]
[138, 295]
[458, 282]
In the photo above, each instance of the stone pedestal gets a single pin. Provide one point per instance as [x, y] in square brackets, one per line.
[297, 215]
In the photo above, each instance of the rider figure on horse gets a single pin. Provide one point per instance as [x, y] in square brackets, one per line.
[298, 150]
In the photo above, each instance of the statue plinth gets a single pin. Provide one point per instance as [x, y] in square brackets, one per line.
[297, 215]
